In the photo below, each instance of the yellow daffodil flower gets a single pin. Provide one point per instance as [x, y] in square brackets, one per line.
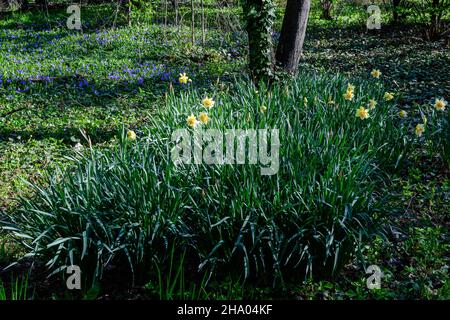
[362, 113]
[203, 118]
[420, 128]
[388, 96]
[372, 104]
[349, 95]
[376, 73]
[208, 103]
[131, 135]
[183, 79]
[403, 114]
[440, 104]
[192, 121]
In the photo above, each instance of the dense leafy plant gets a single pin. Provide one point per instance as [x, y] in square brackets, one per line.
[132, 204]
[433, 16]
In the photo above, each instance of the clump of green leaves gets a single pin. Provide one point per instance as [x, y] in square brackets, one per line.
[129, 204]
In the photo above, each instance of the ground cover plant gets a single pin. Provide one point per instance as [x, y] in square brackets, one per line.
[88, 179]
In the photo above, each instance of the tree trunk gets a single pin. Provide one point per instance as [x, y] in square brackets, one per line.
[259, 16]
[129, 13]
[41, 3]
[326, 9]
[293, 34]
[395, 4]
[193, 22]
[203, 23]
[175, 6]
[165, 17]
[25, 5]
[434, 21]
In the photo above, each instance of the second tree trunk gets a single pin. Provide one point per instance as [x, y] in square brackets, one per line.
[292, 34]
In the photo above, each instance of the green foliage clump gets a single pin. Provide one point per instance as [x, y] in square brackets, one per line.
[132, 204]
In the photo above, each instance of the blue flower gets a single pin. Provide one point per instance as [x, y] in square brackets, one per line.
[83, 83]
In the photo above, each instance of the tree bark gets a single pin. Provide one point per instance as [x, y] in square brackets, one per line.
[326, 9]
[129, 13]
[41, 3]
[434, 21]
[25, 5]
[259, 15]
[293, 34]
[165, 17]
[193, 22]
[175, 7]
[203, 23]
[395, 4]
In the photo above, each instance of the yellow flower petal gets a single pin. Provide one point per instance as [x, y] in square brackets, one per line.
[208, 103]
[362, 113]
[204, 118]
[350, 87]
[376, 73]
[440, 104]
[183, 79]
[131, 135]
[191, 121]
[349, 95]
[420, 128]
[388, 96]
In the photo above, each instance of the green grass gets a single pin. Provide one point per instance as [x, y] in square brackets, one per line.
[18, 290]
